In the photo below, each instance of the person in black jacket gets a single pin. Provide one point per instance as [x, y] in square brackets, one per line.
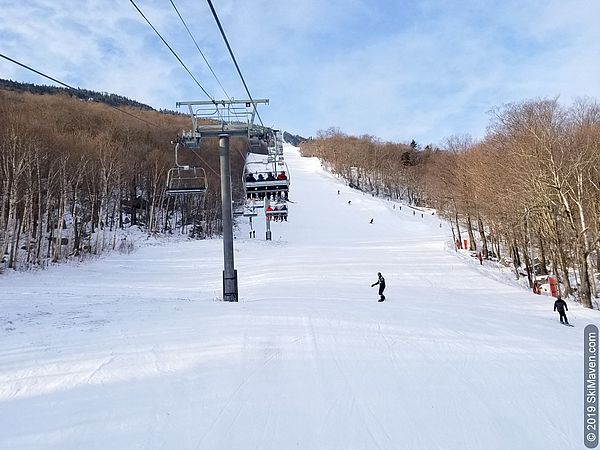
[561, 306]
[381, 283]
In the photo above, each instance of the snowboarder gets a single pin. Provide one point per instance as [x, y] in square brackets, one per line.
[381, 283]
[561, 306]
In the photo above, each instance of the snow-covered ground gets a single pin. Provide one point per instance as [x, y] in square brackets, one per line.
[137, 352]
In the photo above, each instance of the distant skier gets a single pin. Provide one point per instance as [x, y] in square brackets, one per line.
[371, 221]
[561, 306]
[381, 283]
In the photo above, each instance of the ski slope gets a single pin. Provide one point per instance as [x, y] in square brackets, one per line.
[136, 352]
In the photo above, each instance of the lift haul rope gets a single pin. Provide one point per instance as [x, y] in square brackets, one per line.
[198, 47]
[214, 13]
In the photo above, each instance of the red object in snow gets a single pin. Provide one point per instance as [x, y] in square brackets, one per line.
[466, 246]
[553, 286]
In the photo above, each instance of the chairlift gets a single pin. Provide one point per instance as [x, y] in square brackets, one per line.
[186, 180]
[279, 211]
[248, 212]
[265, 178]
[190, 139]
[253, 203]
[254, 145]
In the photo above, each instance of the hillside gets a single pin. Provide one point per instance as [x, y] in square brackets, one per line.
[76, 173]
[79, 93]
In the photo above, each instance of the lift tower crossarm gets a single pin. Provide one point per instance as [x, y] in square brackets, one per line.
[231, 116]
[256, 101]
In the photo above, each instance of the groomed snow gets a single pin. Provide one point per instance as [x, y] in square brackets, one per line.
[137, 352]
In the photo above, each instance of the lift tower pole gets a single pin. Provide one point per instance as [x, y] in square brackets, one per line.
[222, 119]
[230, 287]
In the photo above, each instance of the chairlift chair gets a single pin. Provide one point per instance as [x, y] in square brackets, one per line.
[278, 212]
[254, 144]
[190, 139]
[186, 180]
[249, 212]
[265, 186]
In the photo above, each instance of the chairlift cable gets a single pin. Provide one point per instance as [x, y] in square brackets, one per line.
[214, 13]
[25, 66]
[172, 51]
[202, 159]
[198, 47]
[76, 89]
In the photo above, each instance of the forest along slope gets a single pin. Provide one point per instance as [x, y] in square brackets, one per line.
[134, 351]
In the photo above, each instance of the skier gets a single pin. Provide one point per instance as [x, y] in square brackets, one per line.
[561, 306]
[381, 283]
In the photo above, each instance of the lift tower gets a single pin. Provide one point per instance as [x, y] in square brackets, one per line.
[222, 119]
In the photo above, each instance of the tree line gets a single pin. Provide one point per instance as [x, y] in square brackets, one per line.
[72, 174]
[528, 192]
[80, 93]
[385, 168]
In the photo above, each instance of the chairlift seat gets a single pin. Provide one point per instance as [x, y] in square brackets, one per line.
[267, 186]
[186, 181]
[249, 213]
[255, 204]
[191, 139]
[254, 145]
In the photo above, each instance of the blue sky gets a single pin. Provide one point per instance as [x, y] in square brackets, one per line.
[398, 70]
